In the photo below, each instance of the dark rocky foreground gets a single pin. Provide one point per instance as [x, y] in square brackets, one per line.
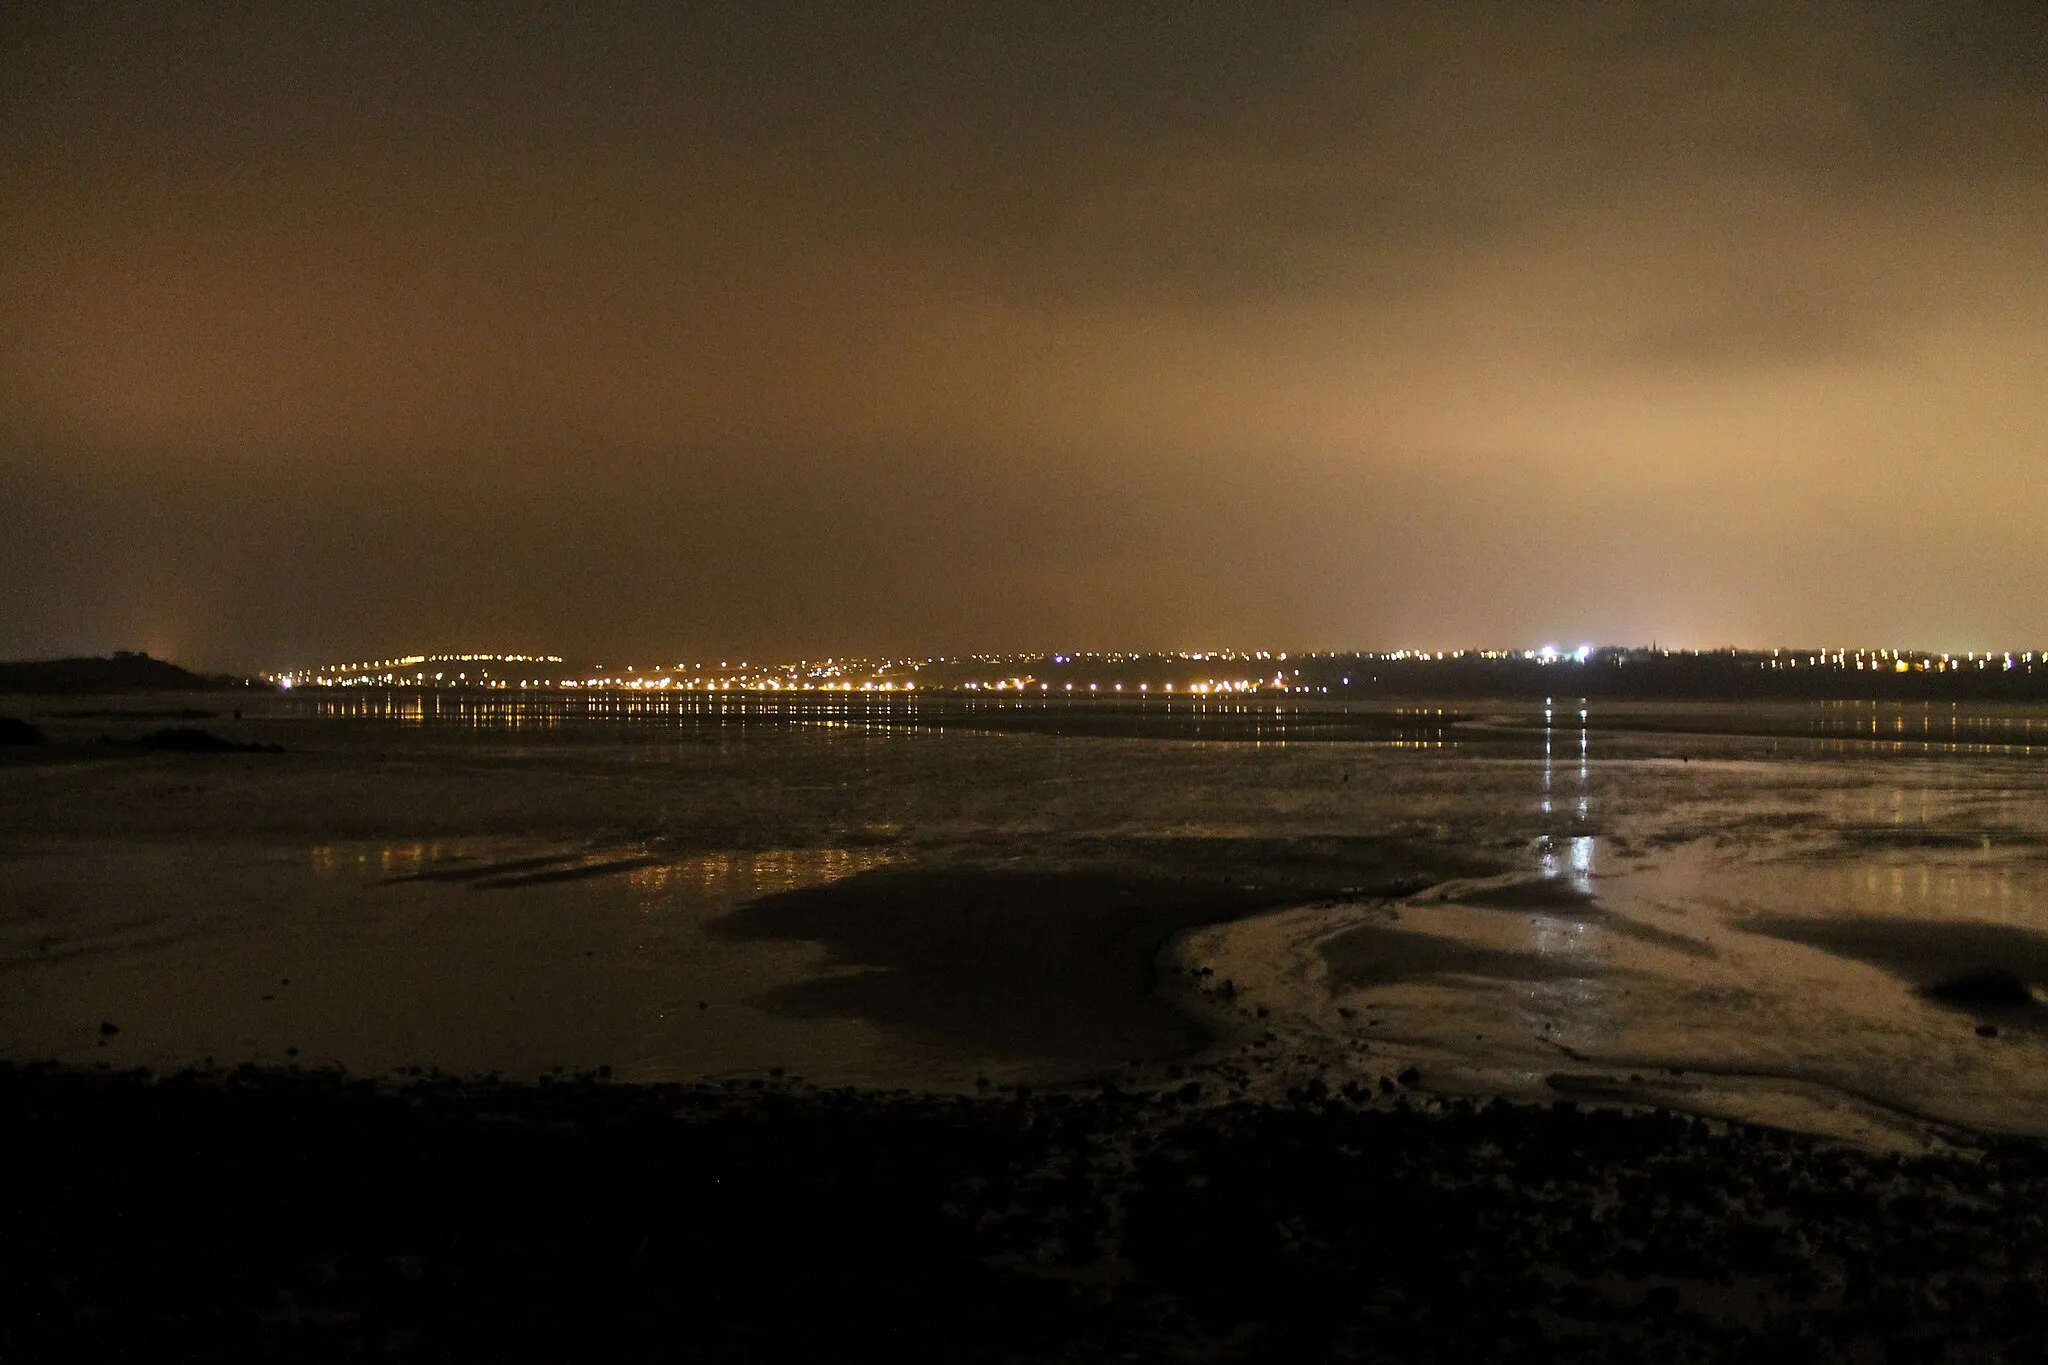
[303, 1215]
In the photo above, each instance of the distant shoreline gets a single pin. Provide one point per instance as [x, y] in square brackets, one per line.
[1897, 724]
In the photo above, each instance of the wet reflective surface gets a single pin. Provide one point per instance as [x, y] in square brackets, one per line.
[1745, 910]
[1840, 943]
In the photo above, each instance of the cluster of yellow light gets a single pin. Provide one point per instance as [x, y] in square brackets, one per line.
[1205, 688]
[390, 672]
[1022, 673]
[746, 682]
[1903, 661]
[415, 670]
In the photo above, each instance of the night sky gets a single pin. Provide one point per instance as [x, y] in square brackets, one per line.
[684, 331]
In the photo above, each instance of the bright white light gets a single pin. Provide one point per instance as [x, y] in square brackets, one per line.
[1583, 653]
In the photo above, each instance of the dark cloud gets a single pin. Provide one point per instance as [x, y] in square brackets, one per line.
[1771, 326]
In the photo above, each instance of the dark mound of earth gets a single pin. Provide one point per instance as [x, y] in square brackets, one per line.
[1019, 963]
[1547, 893]
[15, 732]
[305, 1215]
[185, 740]
[124, 671]
[1993, 987]
[1943, 958]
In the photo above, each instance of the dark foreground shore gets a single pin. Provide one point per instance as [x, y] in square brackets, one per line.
[306, 1216]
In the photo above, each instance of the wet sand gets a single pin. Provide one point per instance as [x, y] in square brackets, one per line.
[866, 966]
[1375, 955]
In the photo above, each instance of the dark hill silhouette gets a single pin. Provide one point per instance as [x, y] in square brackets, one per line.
[124, 671]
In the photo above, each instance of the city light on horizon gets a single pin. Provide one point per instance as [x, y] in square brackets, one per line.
[1112, 676]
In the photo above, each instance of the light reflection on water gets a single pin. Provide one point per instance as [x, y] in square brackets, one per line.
[1187, 717]
[554, 710]
[721, 875]
[739, 876]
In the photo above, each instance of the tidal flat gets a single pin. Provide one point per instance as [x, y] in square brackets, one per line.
[1480, 1003]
